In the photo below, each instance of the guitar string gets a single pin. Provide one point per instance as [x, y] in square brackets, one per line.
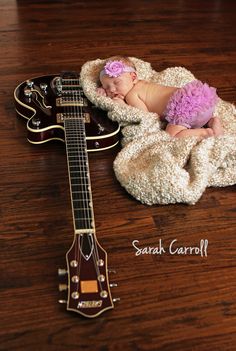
[77, 142]
[68, 121]
[73, 156]
[79, 159]
[91, 239]
[95, 254]
[90, 215]
[84, 167]
[74, 127]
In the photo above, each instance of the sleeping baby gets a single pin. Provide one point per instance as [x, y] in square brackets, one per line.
[186, 109]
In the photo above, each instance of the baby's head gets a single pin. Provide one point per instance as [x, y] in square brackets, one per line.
[118, 76]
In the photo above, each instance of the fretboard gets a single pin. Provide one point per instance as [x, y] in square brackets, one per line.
[78, 168]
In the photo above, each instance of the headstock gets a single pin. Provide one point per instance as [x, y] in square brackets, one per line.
[88, 287]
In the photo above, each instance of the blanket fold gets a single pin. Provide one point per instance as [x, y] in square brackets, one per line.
[154, 167]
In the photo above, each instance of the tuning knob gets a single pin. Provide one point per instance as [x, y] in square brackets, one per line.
[116, 299]
[111, 271]
[113, 285]
[62, 272]
[30, 84]
[27, 93]
[58, 85]
[36, 121]
[62, 301]
[62, 287]
[44, 87]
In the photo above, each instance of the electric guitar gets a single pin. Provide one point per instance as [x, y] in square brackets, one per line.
[56, 109]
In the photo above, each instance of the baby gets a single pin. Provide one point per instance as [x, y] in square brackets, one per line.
[185, 109]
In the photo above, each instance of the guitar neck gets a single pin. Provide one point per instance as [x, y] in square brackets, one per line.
[79, 176]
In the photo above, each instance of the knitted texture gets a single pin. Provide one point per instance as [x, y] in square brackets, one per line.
[154, 167]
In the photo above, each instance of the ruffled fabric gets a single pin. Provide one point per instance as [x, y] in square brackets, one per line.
[191, 106]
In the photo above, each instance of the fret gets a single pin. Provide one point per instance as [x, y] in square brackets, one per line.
[79, 154]
[78, 178]
[73, 146]
[79, 203]
[73, 125]
[80, 181]
[79, 171]
[82, 215]
[78, 187]
[80, 162]
[68, 83]
[76, 159]
[77, 136]
[83, 224]
[81, 168]
[78, 140]
[86, 211]
[86, 199]
[78, 167]
[75, 188]
[75, 140]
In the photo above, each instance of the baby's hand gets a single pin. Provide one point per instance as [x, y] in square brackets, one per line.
[101, 91]
[119, 100]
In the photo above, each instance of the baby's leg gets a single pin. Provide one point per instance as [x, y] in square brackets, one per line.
[181, 132]
[215, 124]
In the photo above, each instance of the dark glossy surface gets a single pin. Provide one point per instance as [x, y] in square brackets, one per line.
[87, 272]
[42, 110]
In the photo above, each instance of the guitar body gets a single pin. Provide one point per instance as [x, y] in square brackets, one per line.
[39, 101]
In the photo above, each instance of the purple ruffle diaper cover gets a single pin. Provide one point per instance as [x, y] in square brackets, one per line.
[191, 106]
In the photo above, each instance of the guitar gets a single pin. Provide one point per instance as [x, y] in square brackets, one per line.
[56, 109]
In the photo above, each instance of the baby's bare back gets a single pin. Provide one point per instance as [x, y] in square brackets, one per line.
[154, 96]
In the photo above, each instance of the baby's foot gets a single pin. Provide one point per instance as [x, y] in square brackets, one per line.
[206, 133]
[215, 124]
[209, 132]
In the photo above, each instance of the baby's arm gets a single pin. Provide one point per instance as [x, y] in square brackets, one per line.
[119, 99]
[101, 91]
[135, 101]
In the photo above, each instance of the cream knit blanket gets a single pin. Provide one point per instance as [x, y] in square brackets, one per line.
[154, 167]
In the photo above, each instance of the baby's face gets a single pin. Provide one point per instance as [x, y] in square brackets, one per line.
[118, 86]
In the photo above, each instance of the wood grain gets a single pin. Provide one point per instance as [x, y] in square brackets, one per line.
[168, 302]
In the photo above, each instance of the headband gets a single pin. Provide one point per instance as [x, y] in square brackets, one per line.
[115, 69]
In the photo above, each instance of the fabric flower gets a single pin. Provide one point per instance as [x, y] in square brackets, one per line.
[114, 68]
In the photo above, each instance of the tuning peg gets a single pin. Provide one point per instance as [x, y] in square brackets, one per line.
[30, 84]
[36, 121]
[116, 299]
[62, 272]
[44, 87]
[62, 301]
[111, 271]
[27, 93]
[113, 285]
[62, 287]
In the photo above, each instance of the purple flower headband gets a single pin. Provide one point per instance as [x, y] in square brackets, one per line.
[115, 69]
